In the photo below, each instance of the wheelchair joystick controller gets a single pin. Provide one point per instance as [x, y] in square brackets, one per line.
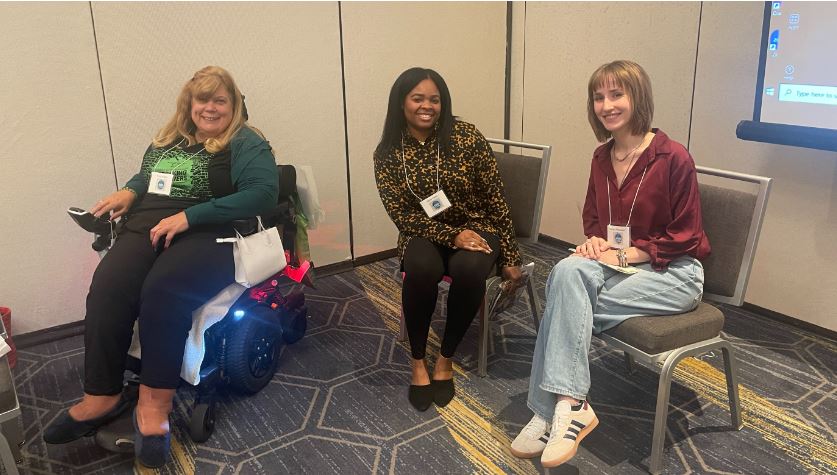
[102, 228]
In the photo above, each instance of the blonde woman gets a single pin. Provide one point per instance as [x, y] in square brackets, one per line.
[205, 168]
[642, 209]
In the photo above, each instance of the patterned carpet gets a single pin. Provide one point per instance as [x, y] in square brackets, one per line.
[338, 403]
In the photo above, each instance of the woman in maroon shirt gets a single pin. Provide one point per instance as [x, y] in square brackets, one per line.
[645, 237]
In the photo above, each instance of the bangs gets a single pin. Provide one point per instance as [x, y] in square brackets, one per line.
[204, 88]
[609, 77]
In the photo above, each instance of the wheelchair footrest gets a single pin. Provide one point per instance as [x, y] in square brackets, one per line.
[118, 435]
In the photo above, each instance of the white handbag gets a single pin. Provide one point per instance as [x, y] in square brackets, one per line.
[257, 256]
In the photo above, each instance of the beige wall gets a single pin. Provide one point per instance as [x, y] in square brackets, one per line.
[793, 271]
[562, 45]
[464, 42]
[286, 58]
[55, 154]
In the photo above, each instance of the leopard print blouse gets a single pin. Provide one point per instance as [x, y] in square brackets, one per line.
[468, 174]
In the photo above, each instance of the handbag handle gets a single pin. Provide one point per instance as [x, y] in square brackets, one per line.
[241, 241]
[260, 230]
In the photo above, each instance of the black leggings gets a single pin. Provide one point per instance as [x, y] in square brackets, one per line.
[161, 290]
[425, 263]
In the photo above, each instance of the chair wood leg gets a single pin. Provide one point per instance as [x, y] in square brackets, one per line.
[485, 336]
[731, 370]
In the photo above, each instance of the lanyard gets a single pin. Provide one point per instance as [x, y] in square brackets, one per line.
[609, 212]
[186, 160]
[407, 178]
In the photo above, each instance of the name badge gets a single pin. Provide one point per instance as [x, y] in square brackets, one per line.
[619, 237]
[435, 203]
[160, 183]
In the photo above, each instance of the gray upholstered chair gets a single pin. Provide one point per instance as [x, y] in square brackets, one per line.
[732, 220]
[524, 181]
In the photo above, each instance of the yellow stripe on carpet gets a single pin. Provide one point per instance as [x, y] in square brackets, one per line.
[483, 444]
[801, 442]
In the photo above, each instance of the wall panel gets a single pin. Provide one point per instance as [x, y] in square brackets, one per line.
[55, 154]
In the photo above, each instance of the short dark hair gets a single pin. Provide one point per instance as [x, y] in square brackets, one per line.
[395, 122]
[631, 77]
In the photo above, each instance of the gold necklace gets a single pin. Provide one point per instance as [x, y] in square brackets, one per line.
[627, 169]
[620, 160]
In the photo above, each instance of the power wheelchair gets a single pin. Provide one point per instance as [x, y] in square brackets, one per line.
[241, 350]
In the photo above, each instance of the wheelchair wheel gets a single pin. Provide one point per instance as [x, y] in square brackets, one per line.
[202, 423]
[253, 351]
[294, 325]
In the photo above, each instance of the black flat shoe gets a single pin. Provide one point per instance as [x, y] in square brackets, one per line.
[65, 429]
[421, 397]
[443, 391]
[152, 451]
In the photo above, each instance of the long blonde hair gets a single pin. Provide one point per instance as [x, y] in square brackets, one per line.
[631, 77]
[202, 86]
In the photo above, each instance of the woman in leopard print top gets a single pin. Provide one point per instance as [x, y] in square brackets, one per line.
[424, 149]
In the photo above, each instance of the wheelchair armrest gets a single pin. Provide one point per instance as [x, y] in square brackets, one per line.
[246, 226]
[287, 181]
[283, 215]
[280, 216]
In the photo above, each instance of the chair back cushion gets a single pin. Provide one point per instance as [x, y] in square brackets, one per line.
[727, 217]
[521, 176]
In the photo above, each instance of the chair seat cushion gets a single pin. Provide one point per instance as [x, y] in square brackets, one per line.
[666, 332]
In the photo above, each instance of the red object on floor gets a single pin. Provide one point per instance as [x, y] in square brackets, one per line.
[6, 314]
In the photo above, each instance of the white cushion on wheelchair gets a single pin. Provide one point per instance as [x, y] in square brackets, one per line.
[204, 317]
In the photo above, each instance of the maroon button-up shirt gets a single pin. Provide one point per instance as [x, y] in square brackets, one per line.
[666, 221]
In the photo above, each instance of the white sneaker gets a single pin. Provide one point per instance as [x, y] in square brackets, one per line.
[568, 429]
[532, 439]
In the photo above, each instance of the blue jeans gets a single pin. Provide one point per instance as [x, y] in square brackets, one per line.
[584, 296]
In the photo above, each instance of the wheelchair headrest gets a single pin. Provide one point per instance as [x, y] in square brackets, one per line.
[287, 181]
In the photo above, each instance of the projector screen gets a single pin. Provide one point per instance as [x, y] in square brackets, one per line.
[796, 89]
